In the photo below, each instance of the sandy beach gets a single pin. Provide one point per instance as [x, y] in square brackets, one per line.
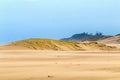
[61, 65]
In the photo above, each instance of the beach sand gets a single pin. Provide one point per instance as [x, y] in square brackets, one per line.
[59, 65]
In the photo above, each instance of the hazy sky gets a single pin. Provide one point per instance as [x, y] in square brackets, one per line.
[22, 19]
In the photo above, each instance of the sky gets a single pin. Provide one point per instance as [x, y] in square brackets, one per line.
[56, 19]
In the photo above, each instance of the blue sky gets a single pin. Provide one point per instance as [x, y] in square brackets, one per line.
[22, 19]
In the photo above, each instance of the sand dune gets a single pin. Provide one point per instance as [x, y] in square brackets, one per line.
[56, 45]
[59, 65]
[111, 40]
[116, 45]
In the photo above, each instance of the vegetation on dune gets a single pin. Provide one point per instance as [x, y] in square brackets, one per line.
[95, 45]
[46, 44]
[49, 44]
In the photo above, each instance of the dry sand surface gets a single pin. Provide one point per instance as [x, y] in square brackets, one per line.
[62, 65]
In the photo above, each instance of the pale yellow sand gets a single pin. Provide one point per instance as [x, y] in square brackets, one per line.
[50, 65]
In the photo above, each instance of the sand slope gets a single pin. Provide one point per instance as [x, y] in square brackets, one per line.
[111, 40]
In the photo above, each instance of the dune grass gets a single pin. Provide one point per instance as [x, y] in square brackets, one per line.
[46, 44]
[49, 44]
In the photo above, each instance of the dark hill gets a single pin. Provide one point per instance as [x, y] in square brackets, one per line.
[86, 37]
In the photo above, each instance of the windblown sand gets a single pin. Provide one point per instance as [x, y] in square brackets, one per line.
[62, 65]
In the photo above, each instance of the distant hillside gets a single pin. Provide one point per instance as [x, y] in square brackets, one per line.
[86, 37]
[48, 44]
[111, 40]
